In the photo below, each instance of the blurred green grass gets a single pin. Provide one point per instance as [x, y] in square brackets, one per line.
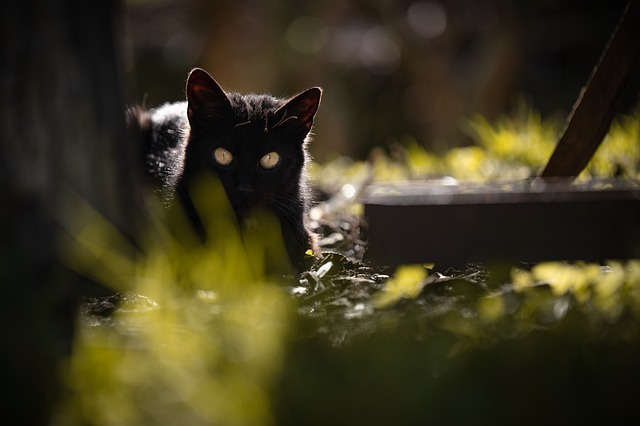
[511, 148]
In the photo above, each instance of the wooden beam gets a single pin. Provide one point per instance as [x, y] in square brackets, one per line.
[593, 111]
[420, 222]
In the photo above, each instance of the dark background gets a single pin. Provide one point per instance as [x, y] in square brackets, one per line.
[390, 69]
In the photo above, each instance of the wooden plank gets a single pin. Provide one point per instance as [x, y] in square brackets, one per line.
[593, 111]
[454, 225]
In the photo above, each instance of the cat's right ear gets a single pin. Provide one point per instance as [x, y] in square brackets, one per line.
[300, 110]
[205, 97]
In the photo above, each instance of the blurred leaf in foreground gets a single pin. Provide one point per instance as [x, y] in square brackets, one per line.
[407, 283]
[197, 338]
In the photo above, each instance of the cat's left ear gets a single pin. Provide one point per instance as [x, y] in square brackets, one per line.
[205, 97]
[300, 110]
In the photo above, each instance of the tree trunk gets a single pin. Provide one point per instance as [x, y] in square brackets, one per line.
[62, 135]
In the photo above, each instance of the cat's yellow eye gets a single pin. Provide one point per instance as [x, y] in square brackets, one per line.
[222, 156]
[270, 160]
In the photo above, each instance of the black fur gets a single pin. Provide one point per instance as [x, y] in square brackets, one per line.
[180, 140]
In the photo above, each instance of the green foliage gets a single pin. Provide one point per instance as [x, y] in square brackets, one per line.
[407, 283]
[464, 346]
[619, 154]
[196, 337]
[512, 148]
[604, 291]
[475, 307]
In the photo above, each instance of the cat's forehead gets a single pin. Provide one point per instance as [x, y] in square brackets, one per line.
[253, 107]
[253, 115]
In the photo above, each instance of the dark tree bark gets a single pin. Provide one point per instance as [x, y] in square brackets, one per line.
[62, 133]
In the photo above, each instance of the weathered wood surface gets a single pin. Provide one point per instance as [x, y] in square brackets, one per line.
[593, 111]
[523, 221]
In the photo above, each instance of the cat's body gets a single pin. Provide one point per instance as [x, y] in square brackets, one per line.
[254, 144]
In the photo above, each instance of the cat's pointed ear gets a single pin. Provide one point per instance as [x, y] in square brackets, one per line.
[205, 97]
[300, 110]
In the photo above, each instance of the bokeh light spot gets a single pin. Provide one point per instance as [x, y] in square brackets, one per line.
[380, 53]
[427, 19]
[307, 34]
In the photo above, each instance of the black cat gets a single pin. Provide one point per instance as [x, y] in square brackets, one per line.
[254, 144]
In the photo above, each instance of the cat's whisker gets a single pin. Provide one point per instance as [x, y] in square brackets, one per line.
[284, 119]
[243, 123]
[284, 210]
[287, 209]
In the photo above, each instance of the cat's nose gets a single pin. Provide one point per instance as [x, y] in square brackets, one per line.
[245, 188]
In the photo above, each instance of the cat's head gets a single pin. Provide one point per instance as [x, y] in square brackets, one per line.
[255, 144]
